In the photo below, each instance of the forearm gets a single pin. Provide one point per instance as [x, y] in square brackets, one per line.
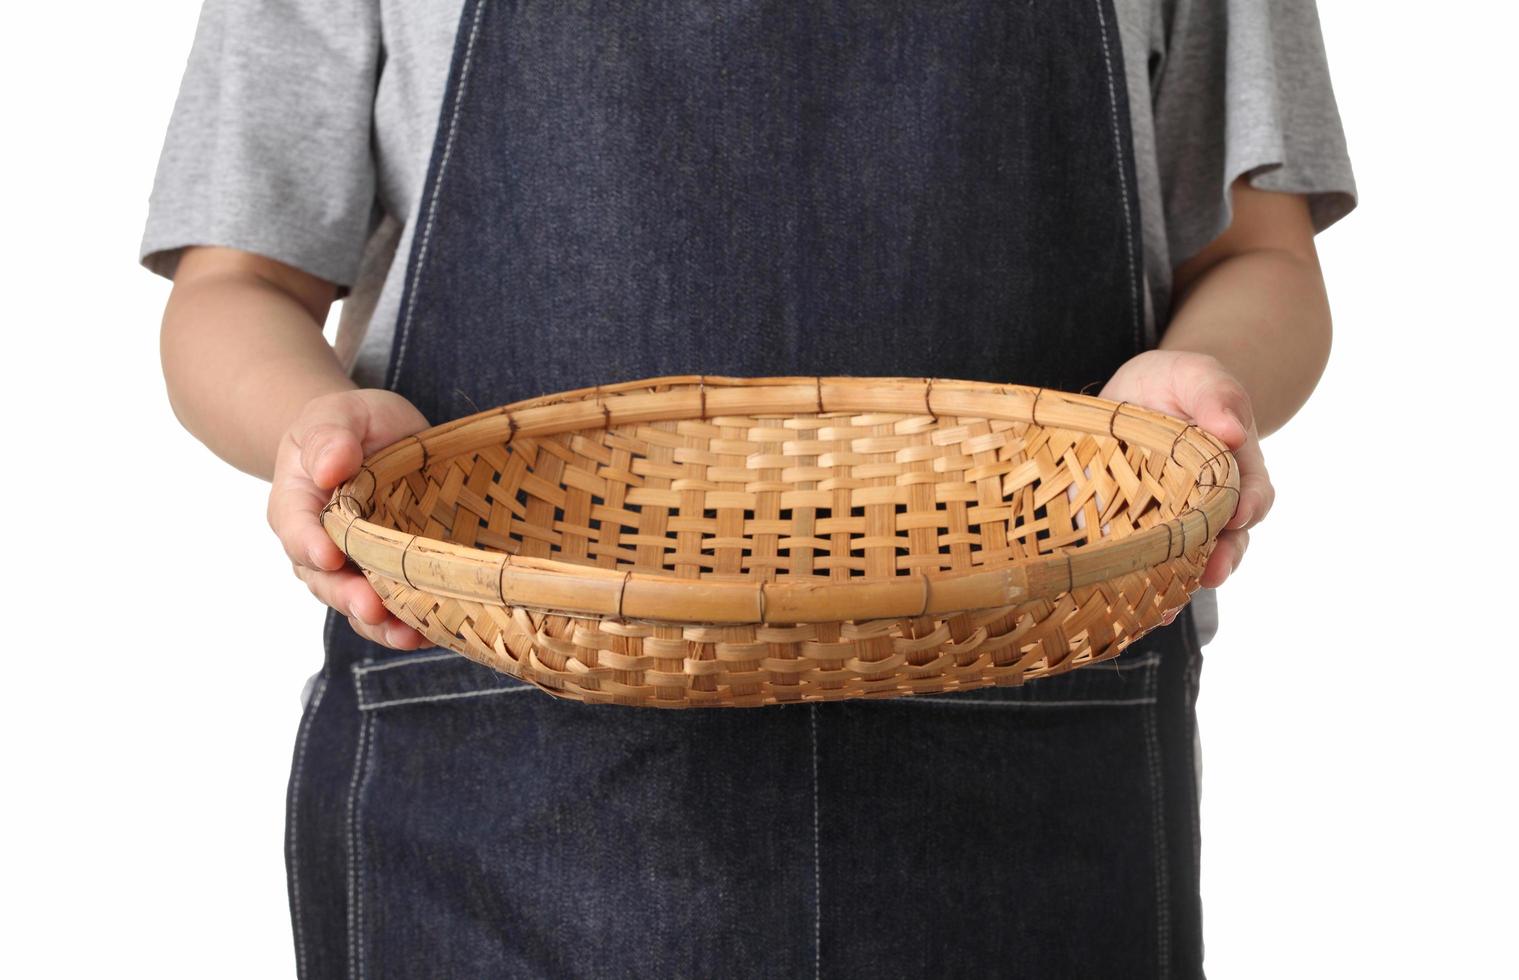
[1254, 299]
[241, 355]
[1264, 315]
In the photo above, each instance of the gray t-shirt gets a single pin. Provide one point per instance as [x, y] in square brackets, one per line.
[303, 130]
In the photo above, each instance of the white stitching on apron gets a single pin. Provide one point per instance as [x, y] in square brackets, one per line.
[1162, 870]
[361, 762]
[817, 859]
[1128, 229]
[432, 201]
[982, 703]
[376, 705]
[369, 667]
[293, 817]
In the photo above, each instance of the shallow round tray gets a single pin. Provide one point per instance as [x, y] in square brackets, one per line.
[688, 541]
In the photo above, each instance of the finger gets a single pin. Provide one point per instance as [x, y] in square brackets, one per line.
[295, 505]
[1220, 404]
[1254, 496]
[1256, 493]
[329, 435]
[322, 448]
[1216, 401]
[404, 638]
[347, 591]
[373, 621]
[1226, 557]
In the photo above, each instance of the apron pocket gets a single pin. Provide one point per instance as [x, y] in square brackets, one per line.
[500, 831]
[441, 675]
[1002, 825]
[433, 675]
[1125, 681]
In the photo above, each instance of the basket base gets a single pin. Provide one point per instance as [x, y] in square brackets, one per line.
[663, 665]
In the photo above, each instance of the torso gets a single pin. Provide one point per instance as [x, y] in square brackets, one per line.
[419, 41]
[860, 187]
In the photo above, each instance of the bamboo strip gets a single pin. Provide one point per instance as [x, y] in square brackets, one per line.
[703, 540]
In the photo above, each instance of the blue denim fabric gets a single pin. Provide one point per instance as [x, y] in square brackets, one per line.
[873, 188]
[450, 821]
[895, 188]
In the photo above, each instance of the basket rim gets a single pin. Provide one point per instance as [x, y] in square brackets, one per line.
[552, 585]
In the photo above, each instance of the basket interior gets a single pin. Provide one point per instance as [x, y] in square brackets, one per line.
[835, 496]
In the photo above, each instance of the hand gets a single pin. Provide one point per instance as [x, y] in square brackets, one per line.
[326, 445]
[1197, 388]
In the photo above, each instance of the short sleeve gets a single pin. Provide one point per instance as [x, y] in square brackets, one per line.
[1242, 87]
[269, 145]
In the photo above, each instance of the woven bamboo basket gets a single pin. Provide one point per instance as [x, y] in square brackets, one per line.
[715, 541]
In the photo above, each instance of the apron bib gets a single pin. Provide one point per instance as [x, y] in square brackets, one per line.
[650, 187]
[894, 188]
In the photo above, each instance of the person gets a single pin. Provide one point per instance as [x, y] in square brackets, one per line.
[516, 198]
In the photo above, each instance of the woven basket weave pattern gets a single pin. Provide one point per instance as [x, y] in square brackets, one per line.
[898, 506]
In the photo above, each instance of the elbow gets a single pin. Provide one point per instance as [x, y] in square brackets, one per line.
[172, 360]
[1313, 341]
[1318, 327]
[1321, 344]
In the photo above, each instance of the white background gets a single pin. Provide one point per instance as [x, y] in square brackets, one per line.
[1358, 703]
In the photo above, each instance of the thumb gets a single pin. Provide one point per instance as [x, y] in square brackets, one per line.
[329, 434]
[1221, 405]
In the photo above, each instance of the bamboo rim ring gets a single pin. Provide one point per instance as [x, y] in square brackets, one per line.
[549, 584]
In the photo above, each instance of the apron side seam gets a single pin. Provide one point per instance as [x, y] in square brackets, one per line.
[1159, 842]
[363, 755]
[292, 839]
[419, 261]
[817, 855]
[1120, 158]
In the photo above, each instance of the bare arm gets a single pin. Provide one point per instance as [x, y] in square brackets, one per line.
[243, 352]
[250, 375]
[1255, 300]
[1247, 343]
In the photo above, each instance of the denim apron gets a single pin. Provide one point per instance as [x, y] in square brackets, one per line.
[867, 187]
